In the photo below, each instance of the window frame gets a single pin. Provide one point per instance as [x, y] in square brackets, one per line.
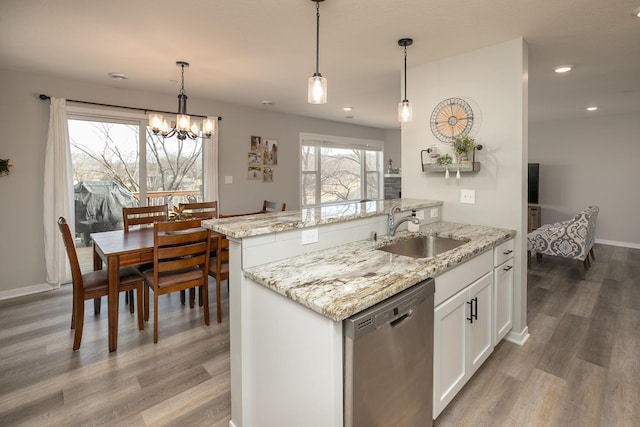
[318, 141]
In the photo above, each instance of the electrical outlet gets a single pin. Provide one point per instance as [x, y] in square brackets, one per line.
[228, 179]
[434, 212]
[468, 196]
[309, 236]
[420, 214]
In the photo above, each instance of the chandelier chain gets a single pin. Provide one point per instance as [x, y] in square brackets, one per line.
[182, 92]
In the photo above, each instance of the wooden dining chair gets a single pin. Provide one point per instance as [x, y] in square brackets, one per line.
[268, 206]
[142, 216]
[94, 284]
[200, 210]
[219, 268]
[180, 261]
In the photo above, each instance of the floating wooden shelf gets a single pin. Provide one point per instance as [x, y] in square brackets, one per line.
[453, 168]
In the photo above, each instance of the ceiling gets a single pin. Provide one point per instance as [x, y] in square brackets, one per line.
[248, 51]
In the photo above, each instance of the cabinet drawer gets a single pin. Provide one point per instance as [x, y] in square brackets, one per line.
[454, 280]
[503, 252]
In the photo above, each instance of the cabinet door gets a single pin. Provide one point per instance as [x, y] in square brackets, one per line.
[480, 329]
[449, 350]
[503, 300]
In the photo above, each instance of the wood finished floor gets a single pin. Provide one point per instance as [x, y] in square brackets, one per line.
[580, 367]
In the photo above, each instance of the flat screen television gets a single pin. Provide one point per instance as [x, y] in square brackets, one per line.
[534, 182]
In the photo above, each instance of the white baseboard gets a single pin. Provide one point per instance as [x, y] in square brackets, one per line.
[616, 243]
[518, 338]
[27, 290]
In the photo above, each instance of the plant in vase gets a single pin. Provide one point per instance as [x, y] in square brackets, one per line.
[462, 146]
[178, 214]
[444, 160]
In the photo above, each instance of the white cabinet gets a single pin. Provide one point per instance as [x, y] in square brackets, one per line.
[502, 290]
[463, 332]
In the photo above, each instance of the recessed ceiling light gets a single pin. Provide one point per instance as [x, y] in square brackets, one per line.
[563, 68]
[348, 108]
[592, 108]
[636, 12]
[267, 103]
[118, 76]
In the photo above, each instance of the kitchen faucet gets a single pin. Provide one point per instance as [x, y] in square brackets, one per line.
[392, 226]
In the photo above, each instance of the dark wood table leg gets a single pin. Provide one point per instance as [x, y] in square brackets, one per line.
[114, 278]
[97, 265]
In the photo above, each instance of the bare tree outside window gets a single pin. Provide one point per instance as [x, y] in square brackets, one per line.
[103, 151]
[173, 164]
[340, 177]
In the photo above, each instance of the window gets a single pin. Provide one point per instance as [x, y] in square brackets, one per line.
[117, 162]
[335, 169]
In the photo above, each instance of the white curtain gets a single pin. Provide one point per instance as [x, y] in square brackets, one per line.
[58, 193]
[210, 172]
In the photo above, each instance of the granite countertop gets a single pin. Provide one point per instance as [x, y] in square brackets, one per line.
[347, 279]
[256, 225]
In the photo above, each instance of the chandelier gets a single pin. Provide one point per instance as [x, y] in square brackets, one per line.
[184, 128]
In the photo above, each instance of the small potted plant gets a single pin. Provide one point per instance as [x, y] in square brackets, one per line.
[178, 214]
[444, 160]
[461, 147]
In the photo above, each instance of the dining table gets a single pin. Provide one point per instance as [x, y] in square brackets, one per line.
[118, 249]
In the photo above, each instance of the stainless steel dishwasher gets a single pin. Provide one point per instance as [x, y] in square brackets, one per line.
[388, 361]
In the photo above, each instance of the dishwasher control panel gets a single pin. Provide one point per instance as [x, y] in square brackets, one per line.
[389, 310]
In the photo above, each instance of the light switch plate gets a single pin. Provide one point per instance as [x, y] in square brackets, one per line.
[434, 212]
[228, 179]
[468, 196]
[420, 214]
[309, 236]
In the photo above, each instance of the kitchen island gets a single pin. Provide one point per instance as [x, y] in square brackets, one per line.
[294, 277]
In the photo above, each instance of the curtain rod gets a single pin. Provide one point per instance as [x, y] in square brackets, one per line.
[45, 97]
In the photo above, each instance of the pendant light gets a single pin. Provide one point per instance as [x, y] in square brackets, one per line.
[317, 91]
[405, 110]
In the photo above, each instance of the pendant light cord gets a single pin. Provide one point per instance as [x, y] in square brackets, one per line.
[405, 73]
[317, 37]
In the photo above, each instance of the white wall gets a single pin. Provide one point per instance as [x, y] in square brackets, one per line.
[591, 161]
[24, 119]
[494, 78]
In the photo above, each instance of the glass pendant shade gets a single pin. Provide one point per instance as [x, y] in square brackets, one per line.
[208, 127]
[317, 89]
[155, 121]
[183, 122]
[405, 111]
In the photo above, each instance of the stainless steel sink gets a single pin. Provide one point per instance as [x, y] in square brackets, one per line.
[423, 246]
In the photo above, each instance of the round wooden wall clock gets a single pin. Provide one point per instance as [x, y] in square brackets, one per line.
[451, 119]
